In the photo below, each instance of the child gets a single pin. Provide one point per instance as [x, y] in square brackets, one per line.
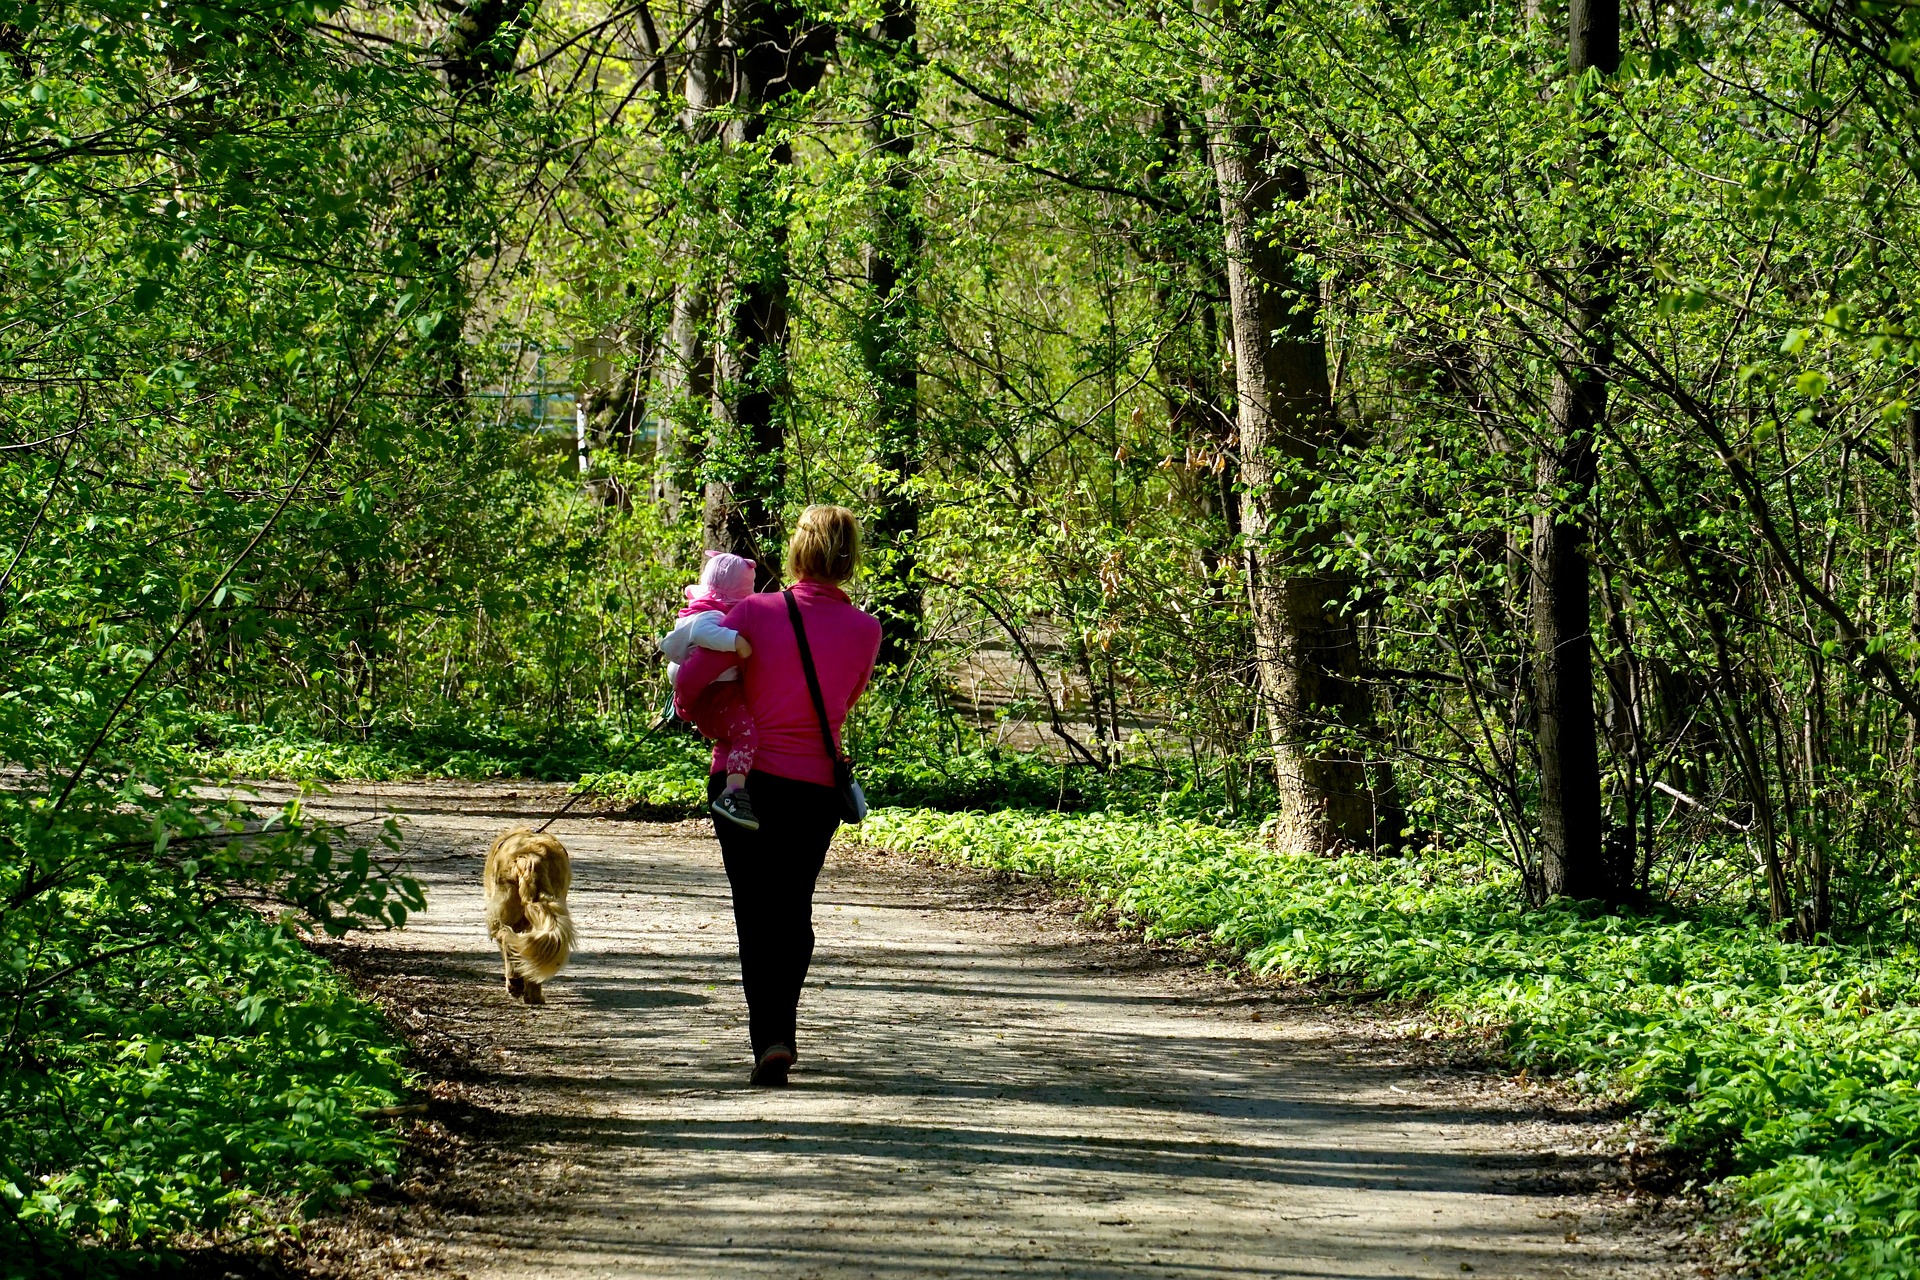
[721, 711]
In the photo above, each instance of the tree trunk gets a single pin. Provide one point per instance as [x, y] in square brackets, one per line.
[1307, 652]
[612, 407]
[1188, 363]
[481, 46]
[1573, 858]
[888, 351]
[686, 367]
[1910, 442]
[775, 56]
[746, 455]
[686, 388]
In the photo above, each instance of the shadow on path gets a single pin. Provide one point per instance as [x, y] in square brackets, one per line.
[985, 1089]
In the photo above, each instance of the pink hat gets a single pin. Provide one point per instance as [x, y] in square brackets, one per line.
[725, 576]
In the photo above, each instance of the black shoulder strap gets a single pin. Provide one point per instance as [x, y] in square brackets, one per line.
[813, 677]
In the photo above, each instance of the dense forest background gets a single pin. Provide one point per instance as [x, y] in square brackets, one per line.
[1480, 435]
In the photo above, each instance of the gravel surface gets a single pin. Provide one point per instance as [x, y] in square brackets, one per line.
[988, 1085]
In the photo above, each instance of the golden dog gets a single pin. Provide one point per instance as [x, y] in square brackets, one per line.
[526, 879]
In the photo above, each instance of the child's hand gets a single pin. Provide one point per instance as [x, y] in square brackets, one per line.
[742, 648]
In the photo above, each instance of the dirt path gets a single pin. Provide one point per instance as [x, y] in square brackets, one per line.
[985, 1089]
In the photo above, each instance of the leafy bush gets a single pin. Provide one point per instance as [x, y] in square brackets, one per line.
[666, 776]
[185, 1087]
[668, 791]
[172, 1059]
[1792, 1071]
[971, 780]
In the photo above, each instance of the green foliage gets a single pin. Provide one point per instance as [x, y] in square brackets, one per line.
[675, 782]
[669, 790]
[174, 1060]
[223, 284]
[667, 772]
[663, 773]
[971, 780]
[1792, 1071]
[912, 750]
[222, 1082]
[911, 776]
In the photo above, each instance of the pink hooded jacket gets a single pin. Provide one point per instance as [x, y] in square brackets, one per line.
[845, 641]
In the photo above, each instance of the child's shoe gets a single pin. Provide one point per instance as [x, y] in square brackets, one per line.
[737, 808]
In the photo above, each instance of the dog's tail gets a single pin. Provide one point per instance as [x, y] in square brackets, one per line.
[539, 949]
[543, 946]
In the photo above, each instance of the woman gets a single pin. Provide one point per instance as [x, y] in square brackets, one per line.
[772, 869]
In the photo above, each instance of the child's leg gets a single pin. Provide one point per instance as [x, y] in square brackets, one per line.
[743, 739]
[721, 714]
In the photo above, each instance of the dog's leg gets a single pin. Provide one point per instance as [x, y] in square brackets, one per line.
[533, 995]
[515, 983]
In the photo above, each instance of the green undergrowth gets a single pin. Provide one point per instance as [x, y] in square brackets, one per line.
[395, 751]
[1792, 1073]
[670, 783]
[662, 772]
[987, 779]
[222, 1081]
[671, 780]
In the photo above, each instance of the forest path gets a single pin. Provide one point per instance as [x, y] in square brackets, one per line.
[986, 1088]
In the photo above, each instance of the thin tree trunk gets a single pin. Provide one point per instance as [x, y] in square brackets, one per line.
[1306, 648]
[686, 376]
[612, 411]
[686, 388]
[1573, 860]
[1815, 919]
[1188, 365]
[746, 450]
[1910, 442]
[479, 47]
[888, 351]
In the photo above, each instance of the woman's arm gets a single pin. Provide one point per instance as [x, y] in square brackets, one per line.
[703, 666]
[872, 655]
[859, 690]
[700, 669]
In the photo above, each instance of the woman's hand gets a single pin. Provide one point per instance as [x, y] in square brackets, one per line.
[742, 648]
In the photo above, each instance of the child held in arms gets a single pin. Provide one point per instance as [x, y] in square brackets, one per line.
[720, 711]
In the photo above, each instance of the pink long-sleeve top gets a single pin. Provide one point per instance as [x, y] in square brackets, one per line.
[844, 640]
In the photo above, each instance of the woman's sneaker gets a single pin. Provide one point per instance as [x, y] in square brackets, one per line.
[736, 808]
[773, 1066]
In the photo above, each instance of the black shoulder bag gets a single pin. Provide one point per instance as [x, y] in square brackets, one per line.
[853, 801]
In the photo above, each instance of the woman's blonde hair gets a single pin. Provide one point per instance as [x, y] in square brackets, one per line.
[825, 545]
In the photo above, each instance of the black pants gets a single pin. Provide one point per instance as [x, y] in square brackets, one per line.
[772, 872]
